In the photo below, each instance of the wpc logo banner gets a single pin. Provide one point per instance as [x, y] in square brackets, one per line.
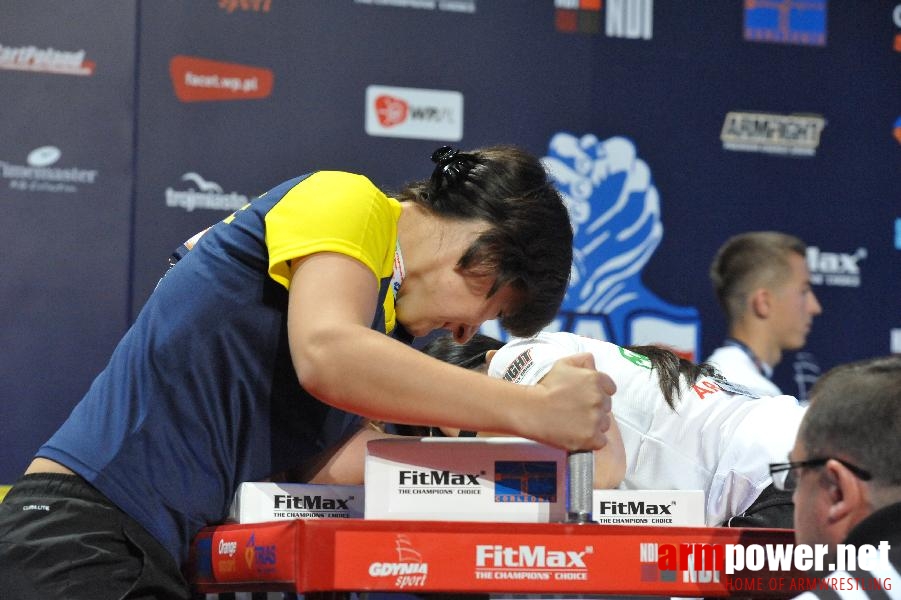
[45, 60]
[203, 80]
[414, 113]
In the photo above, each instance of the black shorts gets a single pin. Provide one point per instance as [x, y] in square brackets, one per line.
[62, 539]
[773, 508]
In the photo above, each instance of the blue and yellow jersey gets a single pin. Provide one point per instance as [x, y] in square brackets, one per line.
[201, 393]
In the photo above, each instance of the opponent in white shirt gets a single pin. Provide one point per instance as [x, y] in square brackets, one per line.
[715, 437]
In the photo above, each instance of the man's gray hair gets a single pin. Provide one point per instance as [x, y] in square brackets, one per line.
[855, 414]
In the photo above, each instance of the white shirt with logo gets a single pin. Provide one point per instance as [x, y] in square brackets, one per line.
[715, 440]
[737, 367]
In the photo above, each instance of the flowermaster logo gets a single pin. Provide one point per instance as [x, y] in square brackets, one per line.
[45, 60]
[414, 113]
[203, 194]
[203, 80]
[629, 19]
[408, 571]
[786, 21]
[835, 269]
[40, 175]
[231, 6]
[793, 135]
[531, 562]
[525, 481]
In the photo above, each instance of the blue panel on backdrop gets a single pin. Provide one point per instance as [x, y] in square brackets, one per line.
[66, 150]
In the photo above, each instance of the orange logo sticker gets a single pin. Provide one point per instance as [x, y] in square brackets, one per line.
[203, 80]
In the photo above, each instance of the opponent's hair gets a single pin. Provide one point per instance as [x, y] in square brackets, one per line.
[672, 370]
[749, 260]
[855, 414]
[528, 244]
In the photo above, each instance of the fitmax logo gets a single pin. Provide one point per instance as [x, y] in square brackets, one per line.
[496, 556]
[437, 478]
[607, 507]
[287, 501]
[835, 268]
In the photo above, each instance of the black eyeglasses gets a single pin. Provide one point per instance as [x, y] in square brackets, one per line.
[784, 478]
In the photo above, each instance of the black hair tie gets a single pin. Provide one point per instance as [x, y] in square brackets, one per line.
[451, 166]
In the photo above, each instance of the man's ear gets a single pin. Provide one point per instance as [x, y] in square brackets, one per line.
[759, 302]
[844, 489]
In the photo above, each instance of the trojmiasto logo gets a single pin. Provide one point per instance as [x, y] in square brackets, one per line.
[307, 507]
[628, 19]
[526, 562]
[793, 135]
[197, 79]
[39, 173]
[786, 21]
[525, 481]
[414, 113]
[45, 60]
[203, 194]
[408, 571]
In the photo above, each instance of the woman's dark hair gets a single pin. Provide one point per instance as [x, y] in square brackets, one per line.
[669, 366]
[528, 244]
[469, 355]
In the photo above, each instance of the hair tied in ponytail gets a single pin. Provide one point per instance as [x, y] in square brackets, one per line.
[451, 166]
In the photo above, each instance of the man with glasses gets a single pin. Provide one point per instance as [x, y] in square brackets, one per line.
[845, 472]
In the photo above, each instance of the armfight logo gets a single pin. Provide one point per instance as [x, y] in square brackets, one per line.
[45, 60]
[40, 175]
[793, 135]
